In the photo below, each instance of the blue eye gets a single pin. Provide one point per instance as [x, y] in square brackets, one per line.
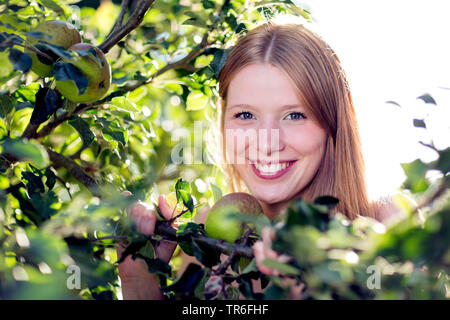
[297, 116]
[246, 115]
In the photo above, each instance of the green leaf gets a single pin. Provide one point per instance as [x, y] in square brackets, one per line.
[189, 228]
[50, 4]
[183, 190]
[43, 204]
[283, 268]
[65, 71]
[24, 150]
[394, 103]
[124, 103]
[115, 135]
[196, 100]
[6, 67]
[443, 163]
[328, 201]
[181, 185]
[157, 266]
[20, 61]
[220, 57]
[6, 105]
[251, 267]
[111, 130]
[208, 4]
[194, 20]
[216, 191]
[187, 201]
[47, 102]
[9, 39]
[415, 172]
[206, 255]
[147, 251]
[232, 293]
[427, 98]
[28, 93]
[83, 129]
[188, 281]
[419, 123]
[132, 249]
[33, 182]
[51, 178]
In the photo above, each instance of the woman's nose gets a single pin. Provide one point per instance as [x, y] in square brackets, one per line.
[270, 138]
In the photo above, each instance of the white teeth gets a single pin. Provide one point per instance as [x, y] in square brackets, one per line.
[272, 168]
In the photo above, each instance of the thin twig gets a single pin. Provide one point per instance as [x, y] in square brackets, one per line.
[123, 11]
[48, 128]
[224, 266]
[444, 186]
[108, 238]
[134, 20]
[33, 49]
[75, 170]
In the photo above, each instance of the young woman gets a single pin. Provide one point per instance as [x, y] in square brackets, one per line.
[288, 129]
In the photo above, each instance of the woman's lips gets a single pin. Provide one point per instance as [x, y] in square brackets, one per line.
[274, 175]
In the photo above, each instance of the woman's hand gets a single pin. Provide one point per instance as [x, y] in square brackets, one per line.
[263, 249]
[137, 282]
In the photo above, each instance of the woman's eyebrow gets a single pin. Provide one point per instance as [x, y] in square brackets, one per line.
[287, 106]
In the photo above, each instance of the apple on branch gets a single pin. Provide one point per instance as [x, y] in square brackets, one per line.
[220, 224]
[57, 33]
[85, 76]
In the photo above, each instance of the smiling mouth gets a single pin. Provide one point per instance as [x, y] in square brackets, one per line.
[271, 171]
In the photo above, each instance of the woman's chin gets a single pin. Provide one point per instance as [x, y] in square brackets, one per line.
[268, 197]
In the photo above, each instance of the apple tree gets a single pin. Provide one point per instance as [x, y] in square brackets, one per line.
[96, 101]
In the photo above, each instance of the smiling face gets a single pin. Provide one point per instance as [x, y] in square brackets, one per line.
[266, 123]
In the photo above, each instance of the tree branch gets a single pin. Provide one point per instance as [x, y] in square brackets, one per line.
[183, 63]
[443, 187]
[115, 36]
[75, 170]
[224, 266]
[30, 132]
[220, 245]
[123, 11]
[134, 20]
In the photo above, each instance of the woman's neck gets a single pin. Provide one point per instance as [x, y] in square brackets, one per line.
[271, 210]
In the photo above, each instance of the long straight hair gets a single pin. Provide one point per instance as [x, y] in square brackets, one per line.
[314, 70]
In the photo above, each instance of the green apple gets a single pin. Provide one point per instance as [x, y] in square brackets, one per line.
[84, 77]
[54, 32]
[220, 225]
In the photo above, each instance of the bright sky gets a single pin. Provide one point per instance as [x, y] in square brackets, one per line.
[392, 50]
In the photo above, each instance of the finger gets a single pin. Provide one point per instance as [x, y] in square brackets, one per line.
[164, 207]
[165, 250]
[259, 253]
[269, 253]
[136, 209]
[284, 258]
[127, 193]
[266, 237]
[146, 222]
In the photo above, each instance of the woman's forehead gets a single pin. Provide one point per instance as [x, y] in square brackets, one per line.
[260, 84]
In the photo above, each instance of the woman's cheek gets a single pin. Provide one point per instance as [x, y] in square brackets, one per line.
[307, 140]
[239, 141]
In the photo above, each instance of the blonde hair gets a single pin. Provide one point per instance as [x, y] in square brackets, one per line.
[315, 71]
